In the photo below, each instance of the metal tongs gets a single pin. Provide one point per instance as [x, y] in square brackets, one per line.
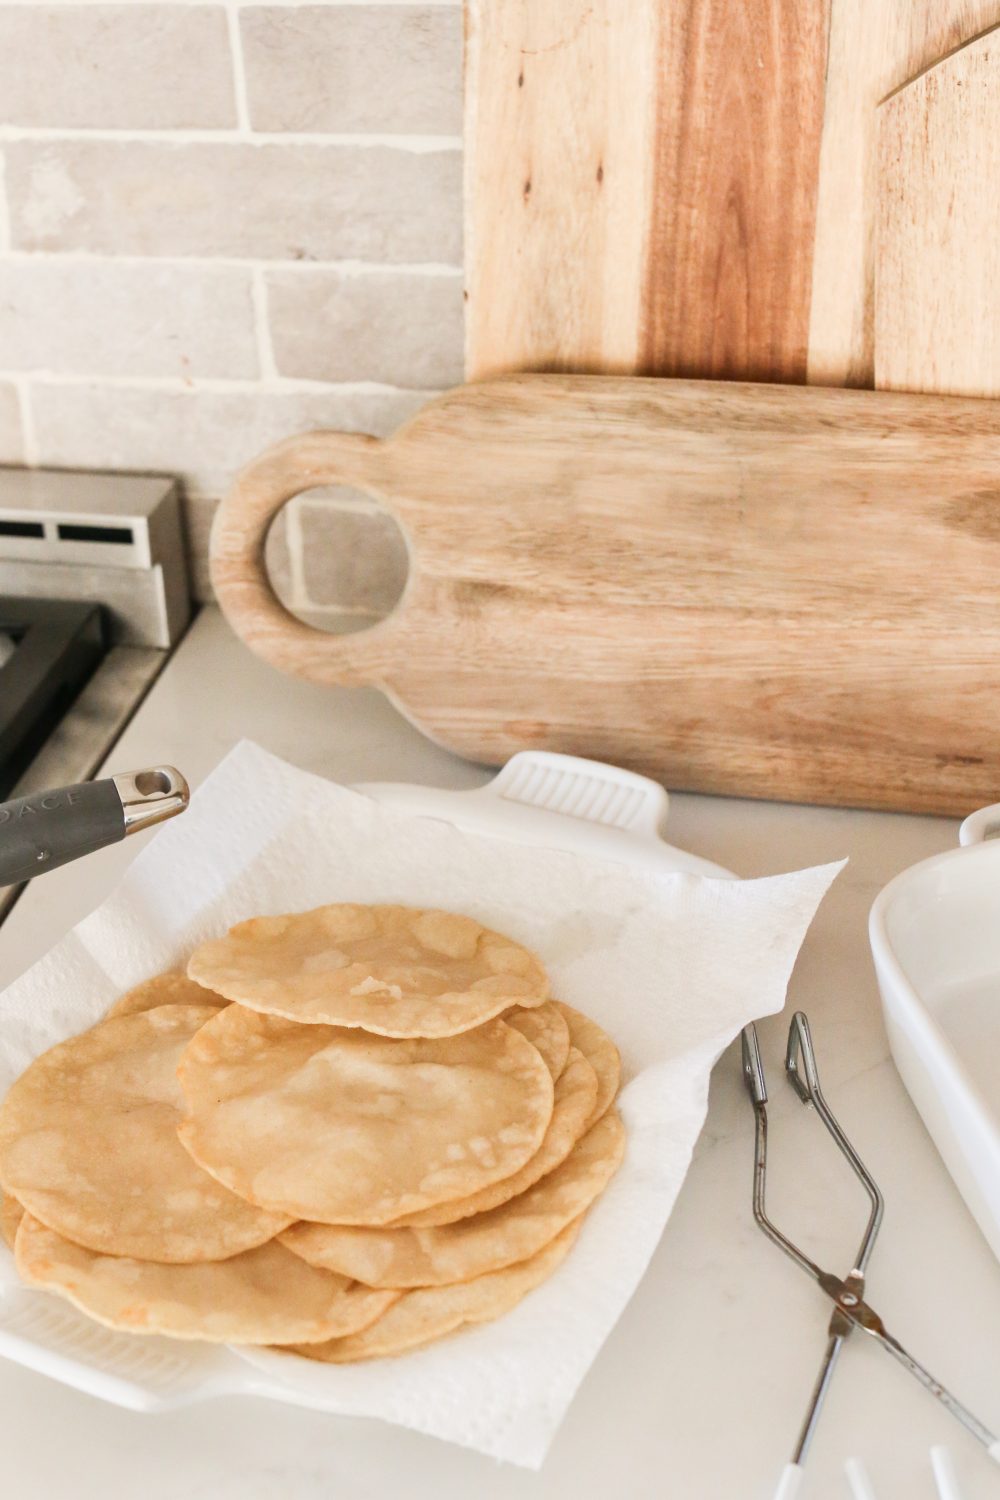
[850, 1310]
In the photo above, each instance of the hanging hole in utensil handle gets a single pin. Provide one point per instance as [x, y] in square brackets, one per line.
[149, 783]
[151, 796]
[239, 573]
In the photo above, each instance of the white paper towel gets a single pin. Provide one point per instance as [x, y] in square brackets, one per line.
[671, 965]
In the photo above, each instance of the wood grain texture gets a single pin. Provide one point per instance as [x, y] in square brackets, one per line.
[737, 135]
[558, 162]
[640, 184]
[875, 47]
[937, 259]
[759, 590]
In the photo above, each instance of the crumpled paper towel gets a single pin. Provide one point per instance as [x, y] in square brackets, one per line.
[671, 965]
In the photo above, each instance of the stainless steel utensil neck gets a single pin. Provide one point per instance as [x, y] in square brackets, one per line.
[803, 1075]
[151, 796]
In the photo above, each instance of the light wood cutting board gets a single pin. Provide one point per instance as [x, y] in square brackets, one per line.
[685, 187]
[876, 46]
[937, 317]
[640, 184]
[772, 591]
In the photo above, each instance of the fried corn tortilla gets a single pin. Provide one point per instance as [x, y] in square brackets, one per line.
[88, 1144]
[172, 988]
[600, 1051]
[11, 1214]
[421, 1316]
[416, 1157]
[259, 1297]
[513, 1232]
[575, 1096]
[394, 970]
[547, 1029]
[342, 1127]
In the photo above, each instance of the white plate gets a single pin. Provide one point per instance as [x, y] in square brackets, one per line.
[935, 936]
[538, 798]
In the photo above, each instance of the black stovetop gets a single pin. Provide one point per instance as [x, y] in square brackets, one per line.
[50, 649]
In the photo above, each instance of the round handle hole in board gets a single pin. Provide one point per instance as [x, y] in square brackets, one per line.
[336, 559]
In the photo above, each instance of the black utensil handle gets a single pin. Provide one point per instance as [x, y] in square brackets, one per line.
[40, 833]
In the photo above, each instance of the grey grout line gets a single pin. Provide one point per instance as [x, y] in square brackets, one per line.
[29, 435]
[219, 385]
[232, 262]
[238, 67]
[262, 327]
[239, 136]
[358, 504]
[296, 554]
[242, 4]
[4, 209]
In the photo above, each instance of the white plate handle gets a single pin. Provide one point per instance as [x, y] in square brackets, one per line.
[984, 824]
[561, 802]
[585, 789]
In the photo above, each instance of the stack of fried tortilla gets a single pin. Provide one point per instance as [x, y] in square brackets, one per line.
[347, 1132]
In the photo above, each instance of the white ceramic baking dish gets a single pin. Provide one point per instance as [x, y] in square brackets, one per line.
[935, 937]
[556, 801]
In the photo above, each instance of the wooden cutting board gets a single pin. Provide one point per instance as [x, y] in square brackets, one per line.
[765, 590]
[640, 184]
[876, 46]
[938, 228]
[685, 187]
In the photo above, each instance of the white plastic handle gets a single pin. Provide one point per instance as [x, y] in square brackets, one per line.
[984, 824]
[857, 1479]
[790, 1482]
[945, 1478]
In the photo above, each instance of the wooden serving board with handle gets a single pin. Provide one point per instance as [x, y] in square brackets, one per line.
[763, 590]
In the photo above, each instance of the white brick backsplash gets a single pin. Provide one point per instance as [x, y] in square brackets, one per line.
[106, 318]
[281, 202]
[202, 436]
[404, 328]
[327, 559]
[351, 557]
[221, 224]
[11, 442]
[123, 66]
[197, 513]
[354, 68]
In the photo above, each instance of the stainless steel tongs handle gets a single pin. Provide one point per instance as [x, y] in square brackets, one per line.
[803, 1075]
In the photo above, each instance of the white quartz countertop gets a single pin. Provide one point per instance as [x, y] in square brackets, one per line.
[699, 1392]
